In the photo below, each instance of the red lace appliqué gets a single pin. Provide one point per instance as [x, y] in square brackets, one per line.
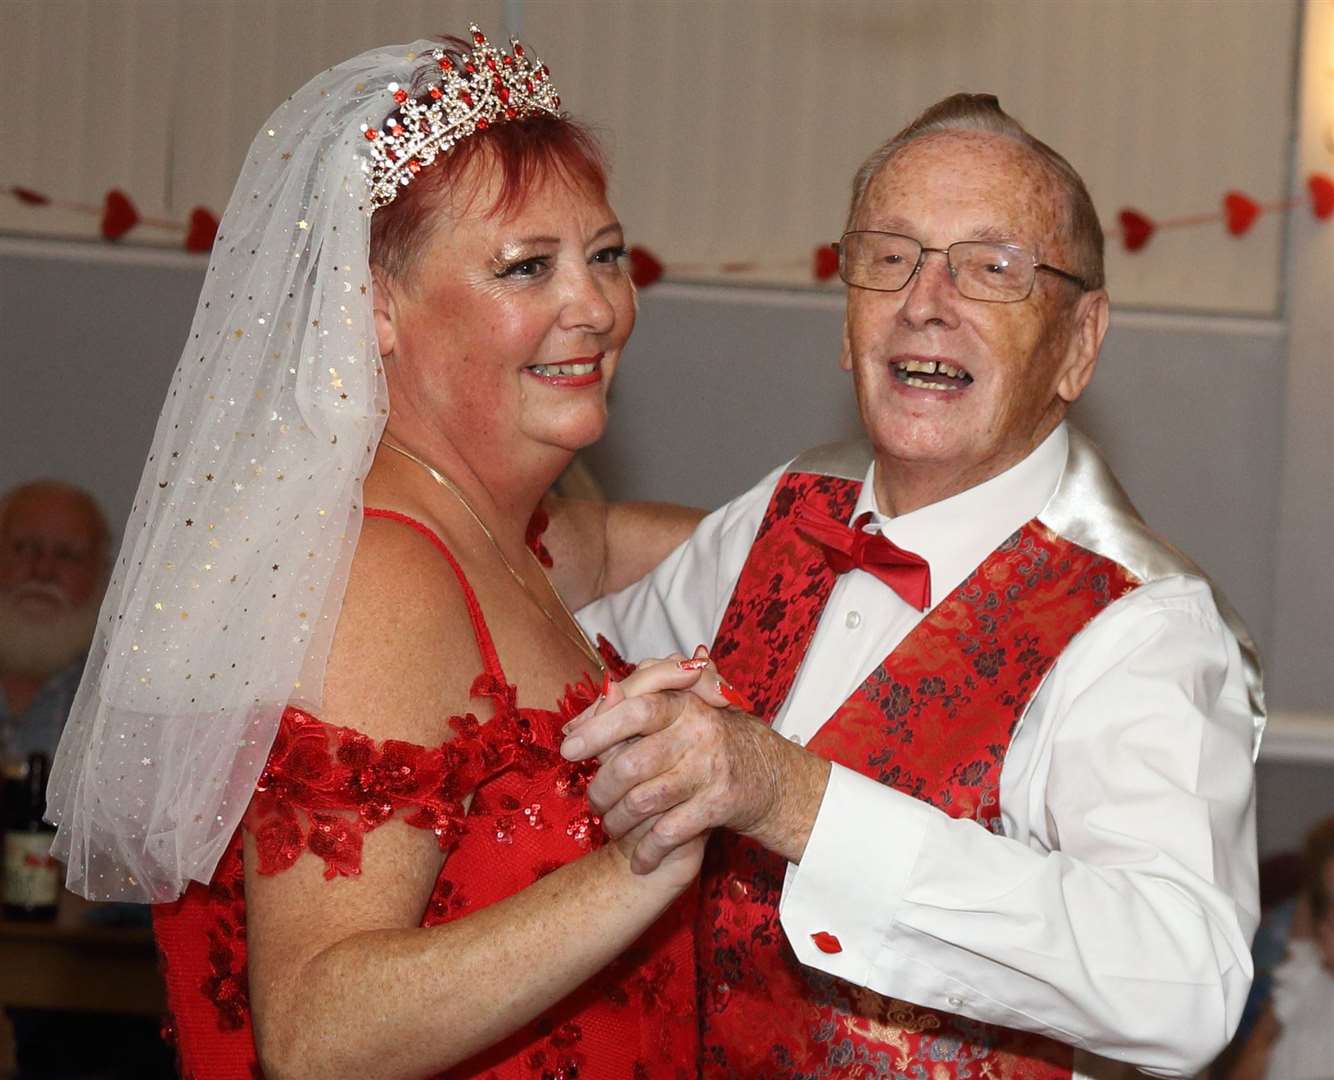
[537, 525]
[325, 787]
[615, 663]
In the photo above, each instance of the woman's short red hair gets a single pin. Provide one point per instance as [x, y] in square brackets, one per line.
[527, 151]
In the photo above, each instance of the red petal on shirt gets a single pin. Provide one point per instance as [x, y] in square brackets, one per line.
[826, 942]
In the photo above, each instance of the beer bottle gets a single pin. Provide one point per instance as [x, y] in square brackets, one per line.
[31, 884]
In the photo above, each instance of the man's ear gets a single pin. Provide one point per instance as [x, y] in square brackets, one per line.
[382, 307]
[1091, 317]
[845, 354]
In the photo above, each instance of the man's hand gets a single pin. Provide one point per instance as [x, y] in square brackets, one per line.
[695, 766]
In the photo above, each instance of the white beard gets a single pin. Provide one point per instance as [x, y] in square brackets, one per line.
[40, 647]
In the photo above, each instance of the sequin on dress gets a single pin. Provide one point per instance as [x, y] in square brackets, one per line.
[324, 788]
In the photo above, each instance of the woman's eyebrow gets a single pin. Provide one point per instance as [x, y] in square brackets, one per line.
[610, 227]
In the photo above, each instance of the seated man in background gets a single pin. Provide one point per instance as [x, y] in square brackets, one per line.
[53, 569]
[54, 552]
[985, 805]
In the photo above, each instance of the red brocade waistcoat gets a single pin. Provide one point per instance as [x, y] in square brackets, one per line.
[934, 721]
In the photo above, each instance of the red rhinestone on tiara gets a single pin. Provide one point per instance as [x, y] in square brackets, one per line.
[493, 86]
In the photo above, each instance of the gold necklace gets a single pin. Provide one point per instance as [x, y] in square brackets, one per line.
[581, 642]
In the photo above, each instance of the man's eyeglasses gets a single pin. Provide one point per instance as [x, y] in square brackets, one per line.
[886, 262]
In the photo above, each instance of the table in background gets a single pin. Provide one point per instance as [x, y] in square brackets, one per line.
[68, 964]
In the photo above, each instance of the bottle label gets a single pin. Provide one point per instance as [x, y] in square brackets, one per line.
[32, 876]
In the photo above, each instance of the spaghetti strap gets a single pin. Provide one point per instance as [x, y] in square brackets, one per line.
[490, 658]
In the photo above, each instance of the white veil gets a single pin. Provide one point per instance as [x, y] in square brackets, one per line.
[226, 592]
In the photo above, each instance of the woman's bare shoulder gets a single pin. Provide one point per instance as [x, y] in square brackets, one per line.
[404, 654]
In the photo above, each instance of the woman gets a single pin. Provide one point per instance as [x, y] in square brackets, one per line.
[429, 306]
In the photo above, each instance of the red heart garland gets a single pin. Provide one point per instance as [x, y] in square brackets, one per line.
[1241, 211]
[645, 269]
[118, 215]
[1136, 229]
[1322, 195]
[824, 264]
[27, 195]
[203, 228]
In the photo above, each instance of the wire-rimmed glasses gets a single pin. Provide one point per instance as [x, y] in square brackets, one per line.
[981, 269]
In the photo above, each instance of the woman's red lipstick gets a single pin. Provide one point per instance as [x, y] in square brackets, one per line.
[574, 372]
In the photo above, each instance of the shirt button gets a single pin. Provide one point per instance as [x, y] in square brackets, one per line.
[853, 620]
[954, 1002]
[795, 738]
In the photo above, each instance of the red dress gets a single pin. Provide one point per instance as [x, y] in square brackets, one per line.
[323, 788]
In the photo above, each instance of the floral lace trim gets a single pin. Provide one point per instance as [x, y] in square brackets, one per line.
[616, 664]
[324, 787]
[537, 525]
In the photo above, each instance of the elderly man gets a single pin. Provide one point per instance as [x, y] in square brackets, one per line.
[987, 809]
[53, 555]
[54, 551]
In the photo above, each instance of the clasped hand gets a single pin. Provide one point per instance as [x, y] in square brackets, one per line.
[678, 759]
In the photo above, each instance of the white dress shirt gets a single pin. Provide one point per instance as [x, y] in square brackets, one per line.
[1115, 912]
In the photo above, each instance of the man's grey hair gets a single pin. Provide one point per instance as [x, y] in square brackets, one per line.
[982, 112]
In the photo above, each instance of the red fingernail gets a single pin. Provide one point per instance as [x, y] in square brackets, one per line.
[699, 663]
[826, 942]
[734, 697]
[606, 683]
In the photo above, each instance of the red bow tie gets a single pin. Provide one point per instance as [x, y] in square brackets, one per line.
[846, 546]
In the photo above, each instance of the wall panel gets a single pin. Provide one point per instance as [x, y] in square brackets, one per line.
[734, 126]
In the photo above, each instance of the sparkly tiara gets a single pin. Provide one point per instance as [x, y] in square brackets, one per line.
[484, 87]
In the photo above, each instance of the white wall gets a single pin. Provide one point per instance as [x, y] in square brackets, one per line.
[734, 126]
[1304, 580]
